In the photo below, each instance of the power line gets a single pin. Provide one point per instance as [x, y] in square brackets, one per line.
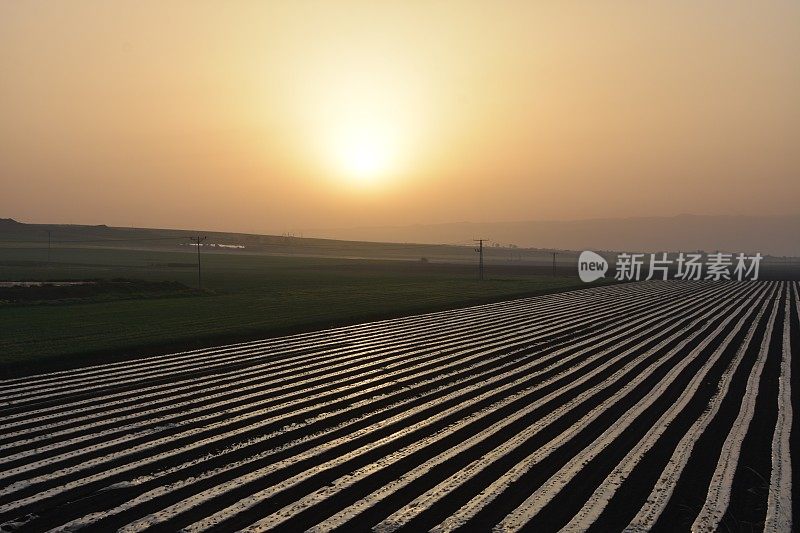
[198, 240]
[479, 249]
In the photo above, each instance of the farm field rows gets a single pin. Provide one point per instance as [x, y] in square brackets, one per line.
[643, 407]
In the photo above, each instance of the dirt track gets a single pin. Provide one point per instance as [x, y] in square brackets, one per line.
[650, 406]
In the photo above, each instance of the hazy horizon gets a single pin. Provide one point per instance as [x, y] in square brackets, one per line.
[275, 117]
[771, 235]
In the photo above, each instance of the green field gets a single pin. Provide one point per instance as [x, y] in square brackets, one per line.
[245, 297]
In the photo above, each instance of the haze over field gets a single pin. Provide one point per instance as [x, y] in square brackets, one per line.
[282, 116]
[769, 235]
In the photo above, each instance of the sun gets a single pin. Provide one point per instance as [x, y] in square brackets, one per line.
[365, 158]
[363, 132]
[365, 161]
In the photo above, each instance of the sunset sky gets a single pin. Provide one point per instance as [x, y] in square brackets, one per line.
[289, 115]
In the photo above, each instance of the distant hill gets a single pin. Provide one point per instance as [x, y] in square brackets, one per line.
[779, 235]
[9, 223]
[21, 235]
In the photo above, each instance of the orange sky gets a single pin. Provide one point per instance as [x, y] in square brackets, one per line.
[283, 116]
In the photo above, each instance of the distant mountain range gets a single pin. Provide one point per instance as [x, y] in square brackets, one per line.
[775, 235]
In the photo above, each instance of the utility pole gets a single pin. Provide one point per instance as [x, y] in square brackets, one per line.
[197, 240]
[554, 264]
[479, 249]
[48, 247]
